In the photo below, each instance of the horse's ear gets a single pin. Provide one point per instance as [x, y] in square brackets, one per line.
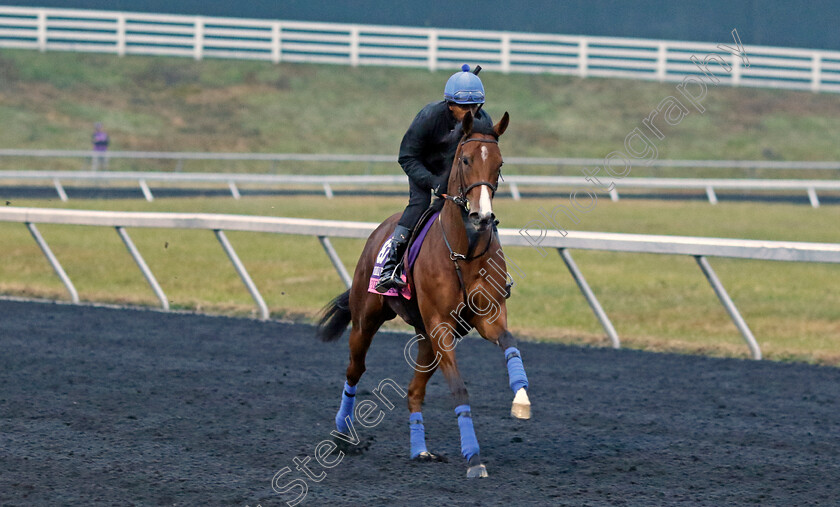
[500, 127]
[467, 124]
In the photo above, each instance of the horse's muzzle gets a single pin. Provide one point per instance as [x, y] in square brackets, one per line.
[481, 222]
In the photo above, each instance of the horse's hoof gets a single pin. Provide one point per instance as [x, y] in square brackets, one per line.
[521, 408]
[353, 449]
[427, 457]
[476, 471]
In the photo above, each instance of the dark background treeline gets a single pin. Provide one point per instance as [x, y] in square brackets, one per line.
[809, 24]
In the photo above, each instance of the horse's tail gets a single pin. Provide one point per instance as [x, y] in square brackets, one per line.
[334, 318]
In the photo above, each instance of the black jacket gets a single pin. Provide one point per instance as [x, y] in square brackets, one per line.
[427, 148]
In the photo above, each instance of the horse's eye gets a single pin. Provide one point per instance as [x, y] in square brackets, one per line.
[465, 160]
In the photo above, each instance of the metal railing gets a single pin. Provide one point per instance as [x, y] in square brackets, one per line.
[131, 33]
[699, 248]
[512, 182]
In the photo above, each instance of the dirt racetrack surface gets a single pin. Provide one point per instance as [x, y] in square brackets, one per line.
[128, 407]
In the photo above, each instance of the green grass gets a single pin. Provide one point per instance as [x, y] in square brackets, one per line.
[51, 100]
[656, 302]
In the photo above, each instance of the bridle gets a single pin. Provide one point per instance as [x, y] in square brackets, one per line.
[461, 201]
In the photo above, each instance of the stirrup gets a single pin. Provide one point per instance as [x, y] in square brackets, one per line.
[397, 280]
[392, 282]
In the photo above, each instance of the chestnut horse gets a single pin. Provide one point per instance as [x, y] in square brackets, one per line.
[452, 289]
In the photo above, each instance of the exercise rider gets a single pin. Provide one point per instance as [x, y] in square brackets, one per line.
[426, 155]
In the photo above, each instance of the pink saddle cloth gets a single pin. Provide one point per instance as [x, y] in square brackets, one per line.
[381, 257]
[413, 252]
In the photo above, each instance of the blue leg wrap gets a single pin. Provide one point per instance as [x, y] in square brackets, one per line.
[469, 443]
[348, 399]
[516, 370]
[418, 434]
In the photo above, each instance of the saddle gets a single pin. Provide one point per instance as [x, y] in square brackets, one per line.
[415, 241]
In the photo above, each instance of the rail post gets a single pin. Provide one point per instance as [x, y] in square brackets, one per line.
[583, 57]
[433, 50]
[661, 61]
[243, 273]
[336, 260]
[121, 35]
[42, 30]
[60, 190]
[51, 258]
[724, 298]
[354, 46]
[590, 298]
[198, 42]
[144, 268]
[276, 42]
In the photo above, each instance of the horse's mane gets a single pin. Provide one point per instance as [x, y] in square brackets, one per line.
[480, 126]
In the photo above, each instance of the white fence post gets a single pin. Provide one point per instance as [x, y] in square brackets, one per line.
[433, 47]
[505, 53]
[816, 72]
[121, 35]
[276, 43]
[354, 46]
[42, 30]
[662, 61]
[583, 57]
[199, 38]
[736, 70]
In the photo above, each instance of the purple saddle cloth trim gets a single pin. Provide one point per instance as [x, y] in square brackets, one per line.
[413, 252]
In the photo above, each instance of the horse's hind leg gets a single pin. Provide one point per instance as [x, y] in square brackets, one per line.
[424, 368]
[361, 334]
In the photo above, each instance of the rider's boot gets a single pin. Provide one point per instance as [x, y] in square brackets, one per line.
[390, 277]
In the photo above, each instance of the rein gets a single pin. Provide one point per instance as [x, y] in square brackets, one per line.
[461, 201]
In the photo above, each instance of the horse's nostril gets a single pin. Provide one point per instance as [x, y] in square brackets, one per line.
[474, 215]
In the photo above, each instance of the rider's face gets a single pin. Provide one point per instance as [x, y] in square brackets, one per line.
[460, 110]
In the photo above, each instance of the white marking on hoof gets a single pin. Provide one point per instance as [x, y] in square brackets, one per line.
[521, 408]
[476, 471]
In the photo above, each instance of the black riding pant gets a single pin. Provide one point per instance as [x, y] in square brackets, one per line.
[419, 198]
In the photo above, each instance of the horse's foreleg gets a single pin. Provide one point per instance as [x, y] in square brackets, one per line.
[449, 367]
[518, 380]
[424, 368]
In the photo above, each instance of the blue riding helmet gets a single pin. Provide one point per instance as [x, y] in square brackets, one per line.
[464, 88]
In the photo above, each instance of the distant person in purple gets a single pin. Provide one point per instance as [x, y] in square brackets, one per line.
[100, 147]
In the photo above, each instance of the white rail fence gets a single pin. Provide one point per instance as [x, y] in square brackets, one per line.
[128, 33]
[699, 248]
[513, 183]
[182, 156]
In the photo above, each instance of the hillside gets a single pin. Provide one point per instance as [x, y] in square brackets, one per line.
[51, 100]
